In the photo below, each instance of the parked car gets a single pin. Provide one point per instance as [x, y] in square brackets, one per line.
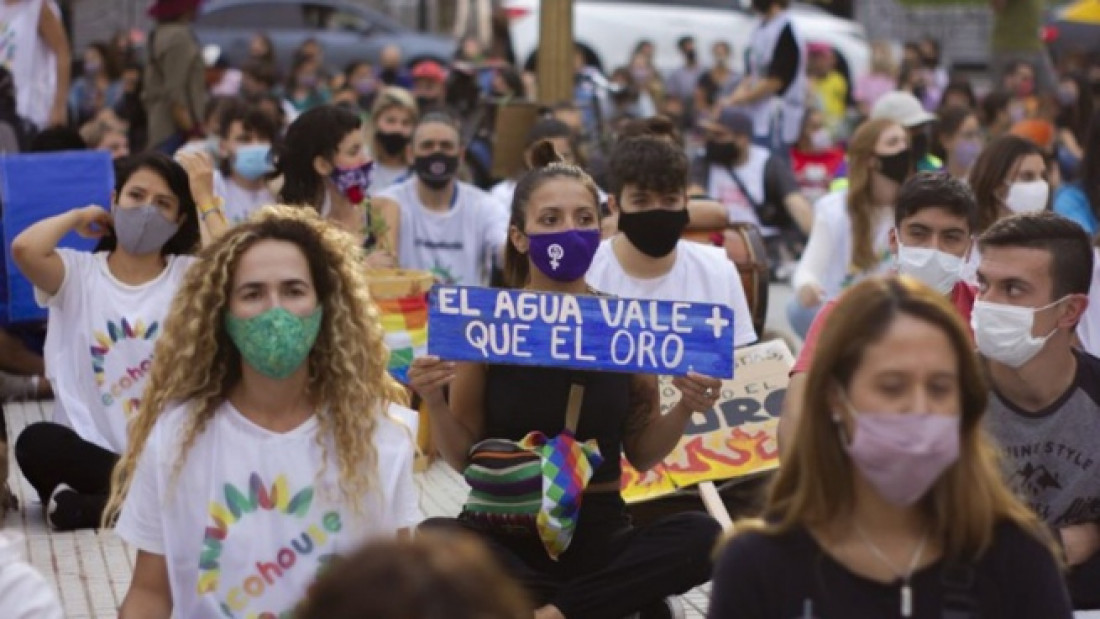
[608, 30]
[347, 31]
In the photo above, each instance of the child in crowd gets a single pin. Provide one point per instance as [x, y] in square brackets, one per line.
[244, 147]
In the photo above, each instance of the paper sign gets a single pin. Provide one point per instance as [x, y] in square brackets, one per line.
[734, 439]
[40, 185]
[524, 327]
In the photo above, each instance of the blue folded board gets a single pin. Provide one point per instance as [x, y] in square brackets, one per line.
[39, 185]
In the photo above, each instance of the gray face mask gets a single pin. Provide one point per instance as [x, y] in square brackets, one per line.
[142, 229]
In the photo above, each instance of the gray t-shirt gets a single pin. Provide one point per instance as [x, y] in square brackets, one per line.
[1052, 456]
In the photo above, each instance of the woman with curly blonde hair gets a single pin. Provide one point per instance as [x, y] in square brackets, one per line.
[270, 439]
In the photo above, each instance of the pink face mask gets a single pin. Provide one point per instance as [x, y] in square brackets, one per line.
[902, 454]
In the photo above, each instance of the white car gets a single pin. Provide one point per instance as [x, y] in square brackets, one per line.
[610, 29]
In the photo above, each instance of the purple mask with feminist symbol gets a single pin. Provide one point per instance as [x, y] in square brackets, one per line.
[564, 256]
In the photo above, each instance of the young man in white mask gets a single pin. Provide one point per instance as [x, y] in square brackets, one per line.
[1044, 409]
[933, 220]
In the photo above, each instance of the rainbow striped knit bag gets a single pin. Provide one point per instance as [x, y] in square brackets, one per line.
[536, 484]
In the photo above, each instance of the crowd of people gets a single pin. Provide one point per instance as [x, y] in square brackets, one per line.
[218, 365]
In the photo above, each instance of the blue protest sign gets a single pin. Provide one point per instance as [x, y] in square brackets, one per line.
[525, 327]
[40, 185]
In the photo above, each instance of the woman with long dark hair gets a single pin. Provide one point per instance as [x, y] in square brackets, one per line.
[1080, 200]
[324, 165]
[105, 313]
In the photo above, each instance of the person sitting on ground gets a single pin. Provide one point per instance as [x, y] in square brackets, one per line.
[610, 568]
[429, 577]
[393, 118]
[890, 502]
[1044, 405]
[244, 147]
[441, 224]
[754, 184]
[931, 238]
[270, 417]
[324, 165]
[105, 313]
[850, 238]
[647, 259]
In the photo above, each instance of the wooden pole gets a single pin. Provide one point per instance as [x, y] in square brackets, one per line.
[555, 57]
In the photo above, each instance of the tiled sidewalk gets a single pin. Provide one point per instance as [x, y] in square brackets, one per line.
[92, 570]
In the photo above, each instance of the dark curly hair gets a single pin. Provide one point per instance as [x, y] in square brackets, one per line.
[649, 163]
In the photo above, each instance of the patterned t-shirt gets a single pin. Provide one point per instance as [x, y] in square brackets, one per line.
[1050, 455]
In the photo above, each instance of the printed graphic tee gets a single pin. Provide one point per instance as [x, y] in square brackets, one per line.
[99, 343]
[1050, 455]
[254, 515]
[701, 274]
[457, 246]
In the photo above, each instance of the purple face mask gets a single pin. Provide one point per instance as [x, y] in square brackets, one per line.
[353, 182]
[564, 256]
[903, 454]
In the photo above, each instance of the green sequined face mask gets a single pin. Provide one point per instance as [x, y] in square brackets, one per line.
[276, 342]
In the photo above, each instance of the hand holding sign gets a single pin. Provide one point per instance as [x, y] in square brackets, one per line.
[428, 376]
[697, 392]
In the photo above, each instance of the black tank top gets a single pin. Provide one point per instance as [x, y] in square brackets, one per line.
[519, 400]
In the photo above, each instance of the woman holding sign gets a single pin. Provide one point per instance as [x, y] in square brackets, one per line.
[575, 551]
[891, 503]
[106, 310]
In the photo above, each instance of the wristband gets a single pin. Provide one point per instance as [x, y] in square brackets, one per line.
[215, 205]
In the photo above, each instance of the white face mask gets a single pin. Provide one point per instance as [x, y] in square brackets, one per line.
[937, 269]
[1003, 332]
[1027, 197]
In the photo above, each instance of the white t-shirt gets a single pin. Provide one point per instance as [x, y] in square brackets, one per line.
[99, 343]
[701, 274]
[240, 202]
[383, 177]
[726, 190]
[250, 519]
[32, 63]
[24, 593]
[827, 258]
[457, 245]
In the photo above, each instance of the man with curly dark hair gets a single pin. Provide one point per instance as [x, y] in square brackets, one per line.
[646, 258]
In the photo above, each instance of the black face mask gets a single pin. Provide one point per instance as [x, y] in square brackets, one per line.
[392, 143]
[388, 76]
[920, 145]
[655, 233]
[896, 167]
[762, 6]
[722, 153]
[436, 170]
[690, 56]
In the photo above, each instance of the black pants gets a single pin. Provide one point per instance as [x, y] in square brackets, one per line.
[51, 454]
[611, 569]
[1084, 584]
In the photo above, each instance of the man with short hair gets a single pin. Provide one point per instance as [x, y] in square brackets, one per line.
[933, 220]
[754, 184]
[681, 83]
[1044, 409]
[436, 222]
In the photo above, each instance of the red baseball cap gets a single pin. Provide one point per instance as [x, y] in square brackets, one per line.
[172, 9]
[429, 70]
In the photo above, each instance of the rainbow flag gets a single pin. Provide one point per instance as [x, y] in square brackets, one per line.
[405, 322]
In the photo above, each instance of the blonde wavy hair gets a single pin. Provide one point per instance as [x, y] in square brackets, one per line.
[197, 363]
